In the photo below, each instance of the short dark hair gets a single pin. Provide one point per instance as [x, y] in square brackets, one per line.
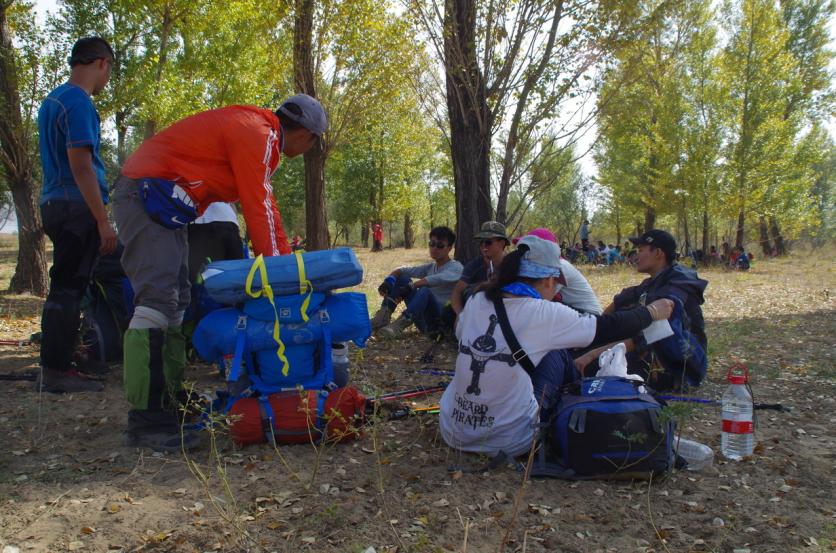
[444, 233]
[89, 49]
[287, 123]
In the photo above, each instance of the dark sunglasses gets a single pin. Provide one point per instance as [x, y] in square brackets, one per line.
[439, 245]
[488, 242]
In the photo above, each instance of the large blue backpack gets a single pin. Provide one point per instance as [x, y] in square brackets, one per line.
[240, 341]
[607, 427]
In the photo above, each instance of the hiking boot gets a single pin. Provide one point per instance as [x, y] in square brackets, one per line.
[61, 382]
[395, 329]
[93, 369]
[159, 430]
[382, 318]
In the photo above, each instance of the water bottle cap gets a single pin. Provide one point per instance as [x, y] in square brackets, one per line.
[738, 374]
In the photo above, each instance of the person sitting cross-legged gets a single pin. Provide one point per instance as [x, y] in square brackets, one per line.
[679, 360]
[426, 295]
[492, 244]
[499, 393]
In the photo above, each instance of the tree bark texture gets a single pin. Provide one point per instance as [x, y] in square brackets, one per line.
[316, 218]
[30, 273]
[739, 235]
[408, 232]
[470, 124]
[777, 237]
[649, 219]
[364, 234]
[766, 247]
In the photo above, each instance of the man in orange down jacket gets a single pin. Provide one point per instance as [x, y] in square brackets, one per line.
[222, 155]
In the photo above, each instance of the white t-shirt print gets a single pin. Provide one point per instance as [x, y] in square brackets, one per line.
[490, 405]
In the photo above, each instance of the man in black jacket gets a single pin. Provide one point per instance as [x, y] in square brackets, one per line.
[680, 359]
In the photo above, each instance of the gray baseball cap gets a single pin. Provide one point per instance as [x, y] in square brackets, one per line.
[310, 114]
[542, 258]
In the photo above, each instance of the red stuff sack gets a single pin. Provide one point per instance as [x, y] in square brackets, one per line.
[295, 417]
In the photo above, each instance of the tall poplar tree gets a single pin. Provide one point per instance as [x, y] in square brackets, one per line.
[756, 70]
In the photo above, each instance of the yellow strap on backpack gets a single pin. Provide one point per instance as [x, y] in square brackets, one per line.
[267, 292]
[304, 285]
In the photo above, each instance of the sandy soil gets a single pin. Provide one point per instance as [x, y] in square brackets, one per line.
[67, 483]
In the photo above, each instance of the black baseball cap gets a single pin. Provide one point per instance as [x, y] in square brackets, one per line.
[658, 239]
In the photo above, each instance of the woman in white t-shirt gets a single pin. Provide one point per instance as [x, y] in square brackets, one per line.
[492, 404]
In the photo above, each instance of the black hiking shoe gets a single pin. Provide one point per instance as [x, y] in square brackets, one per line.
[159, 430]
[65, 382]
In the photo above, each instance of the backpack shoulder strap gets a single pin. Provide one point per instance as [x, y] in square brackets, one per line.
[518, 353]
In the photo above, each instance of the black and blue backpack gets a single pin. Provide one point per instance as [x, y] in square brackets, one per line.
[606, 427]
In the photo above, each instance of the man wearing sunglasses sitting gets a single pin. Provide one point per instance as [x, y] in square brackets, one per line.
[424, 297]
[493, 241]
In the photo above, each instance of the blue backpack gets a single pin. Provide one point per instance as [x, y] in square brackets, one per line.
[606, 427]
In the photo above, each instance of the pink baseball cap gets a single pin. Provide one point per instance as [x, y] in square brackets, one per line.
[543, 233]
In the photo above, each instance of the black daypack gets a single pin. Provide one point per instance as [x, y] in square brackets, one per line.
[106, 309]
[606, 427]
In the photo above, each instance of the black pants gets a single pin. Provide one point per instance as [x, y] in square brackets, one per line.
[75, 240]
[216, 241]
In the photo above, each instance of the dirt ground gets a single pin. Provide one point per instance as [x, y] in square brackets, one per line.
[68, 484]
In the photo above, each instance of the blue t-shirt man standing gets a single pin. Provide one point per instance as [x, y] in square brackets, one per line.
[73, 199]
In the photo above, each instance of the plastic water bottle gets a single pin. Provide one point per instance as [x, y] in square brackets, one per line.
[738, 439]
[339, 360]
[699, 456]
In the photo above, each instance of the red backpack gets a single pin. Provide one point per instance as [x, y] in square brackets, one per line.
[296, 419]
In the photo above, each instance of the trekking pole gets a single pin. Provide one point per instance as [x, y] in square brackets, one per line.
[758, 406]
[411, 392]
[405, 394]
[18, 343]
[30, 376]
[436, 372]
[408, 411]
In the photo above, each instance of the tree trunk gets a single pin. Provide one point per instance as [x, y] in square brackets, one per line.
[777, 237]
[741, 220]
[17, 163]
[432, 206]
[766, 247]
[30, 274]
[687, 233]
[705, 247]
[470, 124]
[408, 232]
[617, 214]
[162, 58]
[121, 136]
[649, 219]
[316, 218]
[364, 234]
